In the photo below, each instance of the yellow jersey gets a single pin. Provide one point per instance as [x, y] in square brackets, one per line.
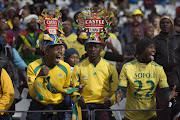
[141, 81]
[46, 89]
[101, 80]
[70, 39]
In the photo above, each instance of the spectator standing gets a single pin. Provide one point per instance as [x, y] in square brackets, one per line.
[72, 58]
[29, 41]
[25, 13]
[53, 75]
[10, 13]
[149, 32]
[118, 31]
[156, 25]
[137, 22]
[168, 55]
[69, 36]
[99, 77]
[15, 31]
[139, 78]
[130, 49]
[6, 63]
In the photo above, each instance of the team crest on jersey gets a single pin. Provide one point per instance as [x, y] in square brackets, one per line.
[143, 67]
[84, 77]
[59, 76]
[29, 79]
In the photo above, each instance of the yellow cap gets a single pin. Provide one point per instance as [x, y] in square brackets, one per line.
[137, 12]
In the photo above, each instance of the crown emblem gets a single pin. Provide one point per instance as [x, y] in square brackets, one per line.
[50, 21]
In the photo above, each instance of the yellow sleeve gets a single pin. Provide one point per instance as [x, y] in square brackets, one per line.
[75, 77]
[123, 77]
[75, 80]
[163, 79]
[68, 79]
[30, 80]
[113, 84]
[7, 97]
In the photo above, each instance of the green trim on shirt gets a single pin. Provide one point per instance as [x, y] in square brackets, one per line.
[62, 68]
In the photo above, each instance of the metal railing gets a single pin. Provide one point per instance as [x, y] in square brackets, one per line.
[91, 114]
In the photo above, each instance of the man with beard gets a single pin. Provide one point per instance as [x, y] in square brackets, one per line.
[168, 55]
[47, 78]
[139, 78]
[28, 42]
[99, 77]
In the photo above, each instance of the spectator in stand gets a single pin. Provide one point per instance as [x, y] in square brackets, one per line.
[137, 22]
[6, 93]
[153, 13]
[156, 25]
[79, 43]
[69, 36]
[6, 63]
[146, 22]
[118, 31]
[25, 13]
[47, 78]
[10, 13]
[75, 24]
[29, 41]
[139, 79]
[15, 31]
[130, 49]
[12, 53]
[177, 24]
[72, 58]
[99, 77]
[148, 32]
[4, 28]
[168, 55]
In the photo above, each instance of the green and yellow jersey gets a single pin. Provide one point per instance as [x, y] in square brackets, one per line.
[101, 80]
[70, 39]
[48, 89]
[141, 81]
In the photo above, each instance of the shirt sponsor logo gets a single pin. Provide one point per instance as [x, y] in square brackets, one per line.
[144, 75]
[84, 77]
[59, 76]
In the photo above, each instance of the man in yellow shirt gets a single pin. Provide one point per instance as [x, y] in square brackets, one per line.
[47, 78]
[99, 77]
[140, 79]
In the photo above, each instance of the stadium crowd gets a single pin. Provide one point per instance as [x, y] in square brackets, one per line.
[139, 59]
